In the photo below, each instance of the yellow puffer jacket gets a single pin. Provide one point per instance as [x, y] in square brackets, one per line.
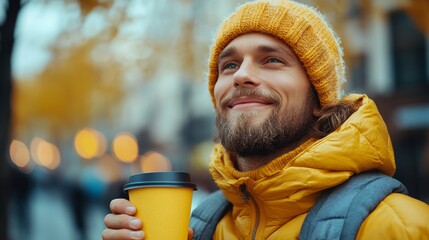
[271, 202]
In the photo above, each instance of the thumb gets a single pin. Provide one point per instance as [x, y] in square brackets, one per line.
[190, 233]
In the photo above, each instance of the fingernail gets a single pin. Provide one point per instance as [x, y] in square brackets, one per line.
[135, 223]
[130, 210]
[137, 234]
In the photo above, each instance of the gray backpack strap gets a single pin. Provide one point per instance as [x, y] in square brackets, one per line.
[206, 216]
[339, 213]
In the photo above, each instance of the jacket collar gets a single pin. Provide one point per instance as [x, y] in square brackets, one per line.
[289, 185]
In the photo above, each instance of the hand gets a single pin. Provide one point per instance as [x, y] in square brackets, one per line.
[121, 223]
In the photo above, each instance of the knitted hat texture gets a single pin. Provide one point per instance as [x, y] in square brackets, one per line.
[302, 28]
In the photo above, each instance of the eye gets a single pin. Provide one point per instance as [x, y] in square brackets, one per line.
[274, 60]
[230, 66]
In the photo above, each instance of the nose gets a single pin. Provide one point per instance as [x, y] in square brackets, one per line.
[246, 76]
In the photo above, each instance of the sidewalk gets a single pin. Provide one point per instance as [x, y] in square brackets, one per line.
[50, 218]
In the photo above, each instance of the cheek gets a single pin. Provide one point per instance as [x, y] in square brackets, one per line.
[220, 89]
[294, 86]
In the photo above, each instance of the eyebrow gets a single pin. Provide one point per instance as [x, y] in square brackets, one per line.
[279, 49]
[227, 53]
[261, 48]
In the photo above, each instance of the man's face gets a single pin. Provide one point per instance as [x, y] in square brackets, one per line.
[264, 100]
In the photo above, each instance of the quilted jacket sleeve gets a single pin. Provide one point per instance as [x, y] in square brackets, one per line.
[397, 217]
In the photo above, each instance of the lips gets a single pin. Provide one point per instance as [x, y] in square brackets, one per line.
[247, 102]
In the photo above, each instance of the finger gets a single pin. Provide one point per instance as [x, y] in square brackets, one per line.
[115, 221]
[122, 206]
[190, 233]
[122, 234]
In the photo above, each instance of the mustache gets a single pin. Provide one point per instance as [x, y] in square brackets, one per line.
[266, 95]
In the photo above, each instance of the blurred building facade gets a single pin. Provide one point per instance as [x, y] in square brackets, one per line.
[389, 60]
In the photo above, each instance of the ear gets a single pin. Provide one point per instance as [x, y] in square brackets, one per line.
[316, 110]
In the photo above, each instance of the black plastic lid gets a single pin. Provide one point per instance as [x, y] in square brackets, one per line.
[160, 179]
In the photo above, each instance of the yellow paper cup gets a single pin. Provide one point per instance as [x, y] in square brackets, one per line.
[163, 201]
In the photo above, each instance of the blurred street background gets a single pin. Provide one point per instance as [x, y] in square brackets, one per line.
[92, 91]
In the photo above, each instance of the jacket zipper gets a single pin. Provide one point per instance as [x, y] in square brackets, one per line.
[246, 196]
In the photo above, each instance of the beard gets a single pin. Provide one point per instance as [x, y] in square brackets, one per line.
[240, 134]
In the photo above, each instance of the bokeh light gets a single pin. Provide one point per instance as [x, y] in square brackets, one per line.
[154, 162]
[45, 154]
[33, 149]
[125, 147]
[19, 154]
[90, 143]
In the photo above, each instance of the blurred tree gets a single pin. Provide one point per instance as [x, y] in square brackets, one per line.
[82, 82]
[7, 30]
[87, 6]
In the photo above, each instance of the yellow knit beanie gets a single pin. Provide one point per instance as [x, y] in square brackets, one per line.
[302, 28]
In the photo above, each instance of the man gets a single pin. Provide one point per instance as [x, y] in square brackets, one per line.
[285, 132]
